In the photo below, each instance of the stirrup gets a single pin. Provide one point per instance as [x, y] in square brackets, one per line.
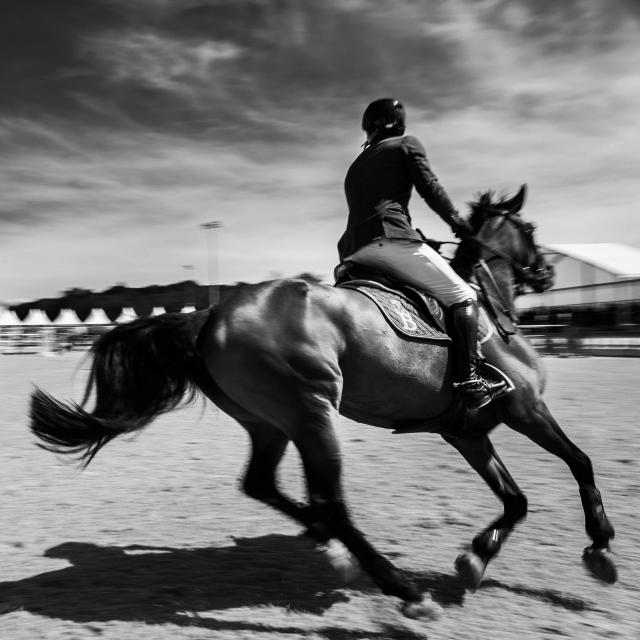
[472, 382]
[500, 384]
[475, 392]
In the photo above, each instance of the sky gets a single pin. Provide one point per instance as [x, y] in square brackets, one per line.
[125, 125]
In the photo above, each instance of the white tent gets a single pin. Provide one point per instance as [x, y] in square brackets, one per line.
[157, 311]
[36, 318]
[9, 318]
[96, 317]
[188, 309]
[126, 315]
[66, 317]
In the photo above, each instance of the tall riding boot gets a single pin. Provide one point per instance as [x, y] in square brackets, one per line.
[475, 391]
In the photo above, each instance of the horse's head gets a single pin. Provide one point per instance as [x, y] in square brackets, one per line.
[500, 232]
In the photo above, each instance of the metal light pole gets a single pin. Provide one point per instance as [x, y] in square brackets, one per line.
[212, 264]
[187, 291]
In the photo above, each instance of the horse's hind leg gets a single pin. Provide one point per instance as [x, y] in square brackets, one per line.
[317, 443]
[481, 455]
[538, 424]
[268, 445]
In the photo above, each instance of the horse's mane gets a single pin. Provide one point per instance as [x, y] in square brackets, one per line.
[468, 253]
[481, 207]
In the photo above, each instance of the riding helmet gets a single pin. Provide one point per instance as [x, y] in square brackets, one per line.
[384, 113]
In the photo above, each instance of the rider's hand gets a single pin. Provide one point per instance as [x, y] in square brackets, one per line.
[462, 229]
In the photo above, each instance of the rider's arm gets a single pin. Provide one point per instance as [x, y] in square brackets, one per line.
[427, 184]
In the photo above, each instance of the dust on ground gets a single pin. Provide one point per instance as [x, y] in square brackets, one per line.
[154, 541]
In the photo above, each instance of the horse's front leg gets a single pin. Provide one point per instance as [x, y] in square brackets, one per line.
[538, 424]
[481, 455]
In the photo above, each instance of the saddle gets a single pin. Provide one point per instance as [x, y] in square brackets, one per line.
[411, 312]
[414, 314]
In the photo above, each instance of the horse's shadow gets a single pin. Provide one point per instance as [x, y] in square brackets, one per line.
[157, 585]
[154, 584]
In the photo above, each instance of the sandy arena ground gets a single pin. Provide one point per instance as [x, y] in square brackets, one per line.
[154, 541]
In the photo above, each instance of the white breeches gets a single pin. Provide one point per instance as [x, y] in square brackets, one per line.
[416, 264]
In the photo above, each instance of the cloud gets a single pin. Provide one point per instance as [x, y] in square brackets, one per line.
[219, 67]
[38, 44]
[125, 125]
[155, 61]
[227, 64]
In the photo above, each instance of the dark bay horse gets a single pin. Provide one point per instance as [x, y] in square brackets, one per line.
[286, 357]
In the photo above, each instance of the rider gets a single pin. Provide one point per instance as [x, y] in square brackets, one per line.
[379, 233]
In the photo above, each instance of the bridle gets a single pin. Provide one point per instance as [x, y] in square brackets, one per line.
[534, 272]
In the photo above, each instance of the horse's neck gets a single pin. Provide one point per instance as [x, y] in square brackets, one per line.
[499, 281]
[496, 278]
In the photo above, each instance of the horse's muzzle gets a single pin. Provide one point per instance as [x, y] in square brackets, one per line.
[543, 278]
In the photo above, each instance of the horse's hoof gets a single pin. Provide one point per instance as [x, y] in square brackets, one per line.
[470, 568]
[601, 564]
[425, 609]
[340, 559]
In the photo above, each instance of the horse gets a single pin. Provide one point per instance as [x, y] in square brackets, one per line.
[286, 357]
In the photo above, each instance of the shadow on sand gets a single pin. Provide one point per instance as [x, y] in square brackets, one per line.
[159, 585]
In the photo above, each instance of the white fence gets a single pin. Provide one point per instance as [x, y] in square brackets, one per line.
[36, 334]
[564, 340]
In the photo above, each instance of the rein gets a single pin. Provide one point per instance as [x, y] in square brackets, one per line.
[506, 308]
[525, 272]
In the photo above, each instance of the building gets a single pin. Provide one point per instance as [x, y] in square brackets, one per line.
[596, 285]
[589, 275]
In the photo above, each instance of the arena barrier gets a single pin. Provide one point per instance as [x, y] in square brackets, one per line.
[565, 341]
[552, 340]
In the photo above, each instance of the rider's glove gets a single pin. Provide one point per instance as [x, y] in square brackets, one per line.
[461, 228]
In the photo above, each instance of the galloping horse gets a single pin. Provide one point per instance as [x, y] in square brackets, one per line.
[286, 357]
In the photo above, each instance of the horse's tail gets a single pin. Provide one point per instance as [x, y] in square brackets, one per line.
[139, 371]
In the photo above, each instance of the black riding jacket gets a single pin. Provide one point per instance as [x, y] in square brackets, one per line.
[378, 186]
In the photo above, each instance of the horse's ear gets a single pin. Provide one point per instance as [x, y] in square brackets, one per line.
[517, 202]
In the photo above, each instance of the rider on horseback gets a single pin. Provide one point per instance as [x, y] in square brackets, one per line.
[379, 234]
